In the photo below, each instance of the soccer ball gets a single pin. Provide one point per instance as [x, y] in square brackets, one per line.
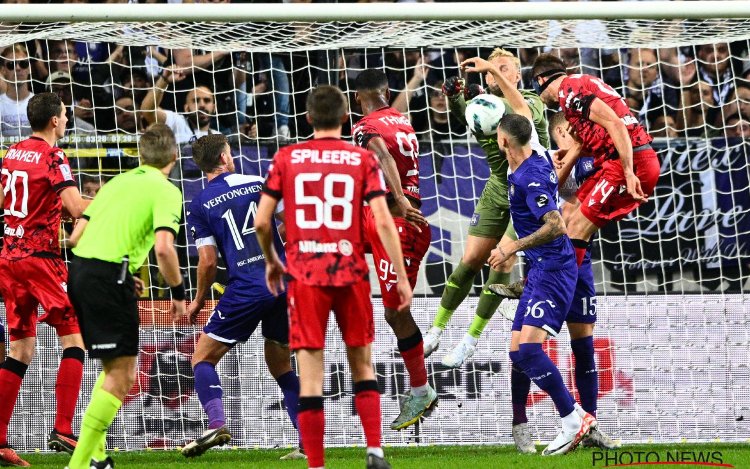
[483, 114]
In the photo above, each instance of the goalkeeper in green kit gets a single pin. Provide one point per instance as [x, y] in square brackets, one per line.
[490, 222]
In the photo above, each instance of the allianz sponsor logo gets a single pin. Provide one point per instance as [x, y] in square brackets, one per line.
[343, 247]
[17, 232]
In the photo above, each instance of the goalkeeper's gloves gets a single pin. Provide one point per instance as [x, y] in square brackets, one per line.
[453, 86]
[471, 91]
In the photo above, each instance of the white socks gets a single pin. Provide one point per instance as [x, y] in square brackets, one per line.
[470, 340]
[571, 423]
[375, 451]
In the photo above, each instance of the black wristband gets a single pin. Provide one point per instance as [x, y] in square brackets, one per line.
[178, 292]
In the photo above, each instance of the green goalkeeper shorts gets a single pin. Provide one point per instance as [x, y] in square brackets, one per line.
[492, 213]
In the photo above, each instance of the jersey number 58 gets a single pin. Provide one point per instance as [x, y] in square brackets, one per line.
[323, 209]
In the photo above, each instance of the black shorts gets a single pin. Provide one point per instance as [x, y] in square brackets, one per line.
[107, 312]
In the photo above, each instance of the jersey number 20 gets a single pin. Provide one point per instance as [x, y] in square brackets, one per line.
[11, 185]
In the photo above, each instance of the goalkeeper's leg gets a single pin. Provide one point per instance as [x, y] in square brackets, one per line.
[488, 304]
[458, 286]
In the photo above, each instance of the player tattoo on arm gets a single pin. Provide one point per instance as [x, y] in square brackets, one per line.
[554, 226]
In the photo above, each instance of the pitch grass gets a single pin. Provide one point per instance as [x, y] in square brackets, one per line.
[438, 457]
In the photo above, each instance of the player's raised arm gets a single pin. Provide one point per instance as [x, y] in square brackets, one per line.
[263, 230]
[509, 90]
[603, 115]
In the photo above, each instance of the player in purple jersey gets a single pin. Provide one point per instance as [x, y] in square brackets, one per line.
[221, 221]
[552, 275]
[572, 170]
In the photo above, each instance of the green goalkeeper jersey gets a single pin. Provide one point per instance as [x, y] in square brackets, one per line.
[496, 158]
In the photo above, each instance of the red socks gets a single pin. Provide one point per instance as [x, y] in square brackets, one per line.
[412, 351]
[580, 247]
[11, 376]
[67, 388]
[311, 421]
[367, 402]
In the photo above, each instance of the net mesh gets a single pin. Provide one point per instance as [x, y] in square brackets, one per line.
[670, 350]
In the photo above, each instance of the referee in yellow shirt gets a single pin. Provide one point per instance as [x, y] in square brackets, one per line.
[132, 213]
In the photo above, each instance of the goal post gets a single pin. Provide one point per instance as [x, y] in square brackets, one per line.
[672, 337]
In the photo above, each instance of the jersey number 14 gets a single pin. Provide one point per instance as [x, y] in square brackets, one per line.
[247, 226]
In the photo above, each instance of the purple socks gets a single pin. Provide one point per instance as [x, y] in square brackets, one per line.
[542, 371]
[208, 388]
[289, 384]
[587, 378]
[520, 384]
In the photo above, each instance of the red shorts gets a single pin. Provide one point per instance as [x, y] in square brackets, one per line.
[310, 306]
[604, 196]
[414, 246]
[29, 282]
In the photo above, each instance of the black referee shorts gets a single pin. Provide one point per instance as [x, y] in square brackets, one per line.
[107, 312]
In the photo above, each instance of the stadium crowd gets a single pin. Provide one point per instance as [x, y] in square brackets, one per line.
[695, 91]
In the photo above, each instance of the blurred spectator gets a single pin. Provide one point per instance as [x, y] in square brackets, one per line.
[714, 68]
[128, 119]
[278, 84]
[737, 127]
[269, 97]
[427, 108]
[61, 83]
[414, 88]
[199, 108]
[90, 185]
[16, 67]
[572, 59]
[437, 119]
[133, 84]
[646, 93]
[213, 70]
[699, 109]
[738, 102]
